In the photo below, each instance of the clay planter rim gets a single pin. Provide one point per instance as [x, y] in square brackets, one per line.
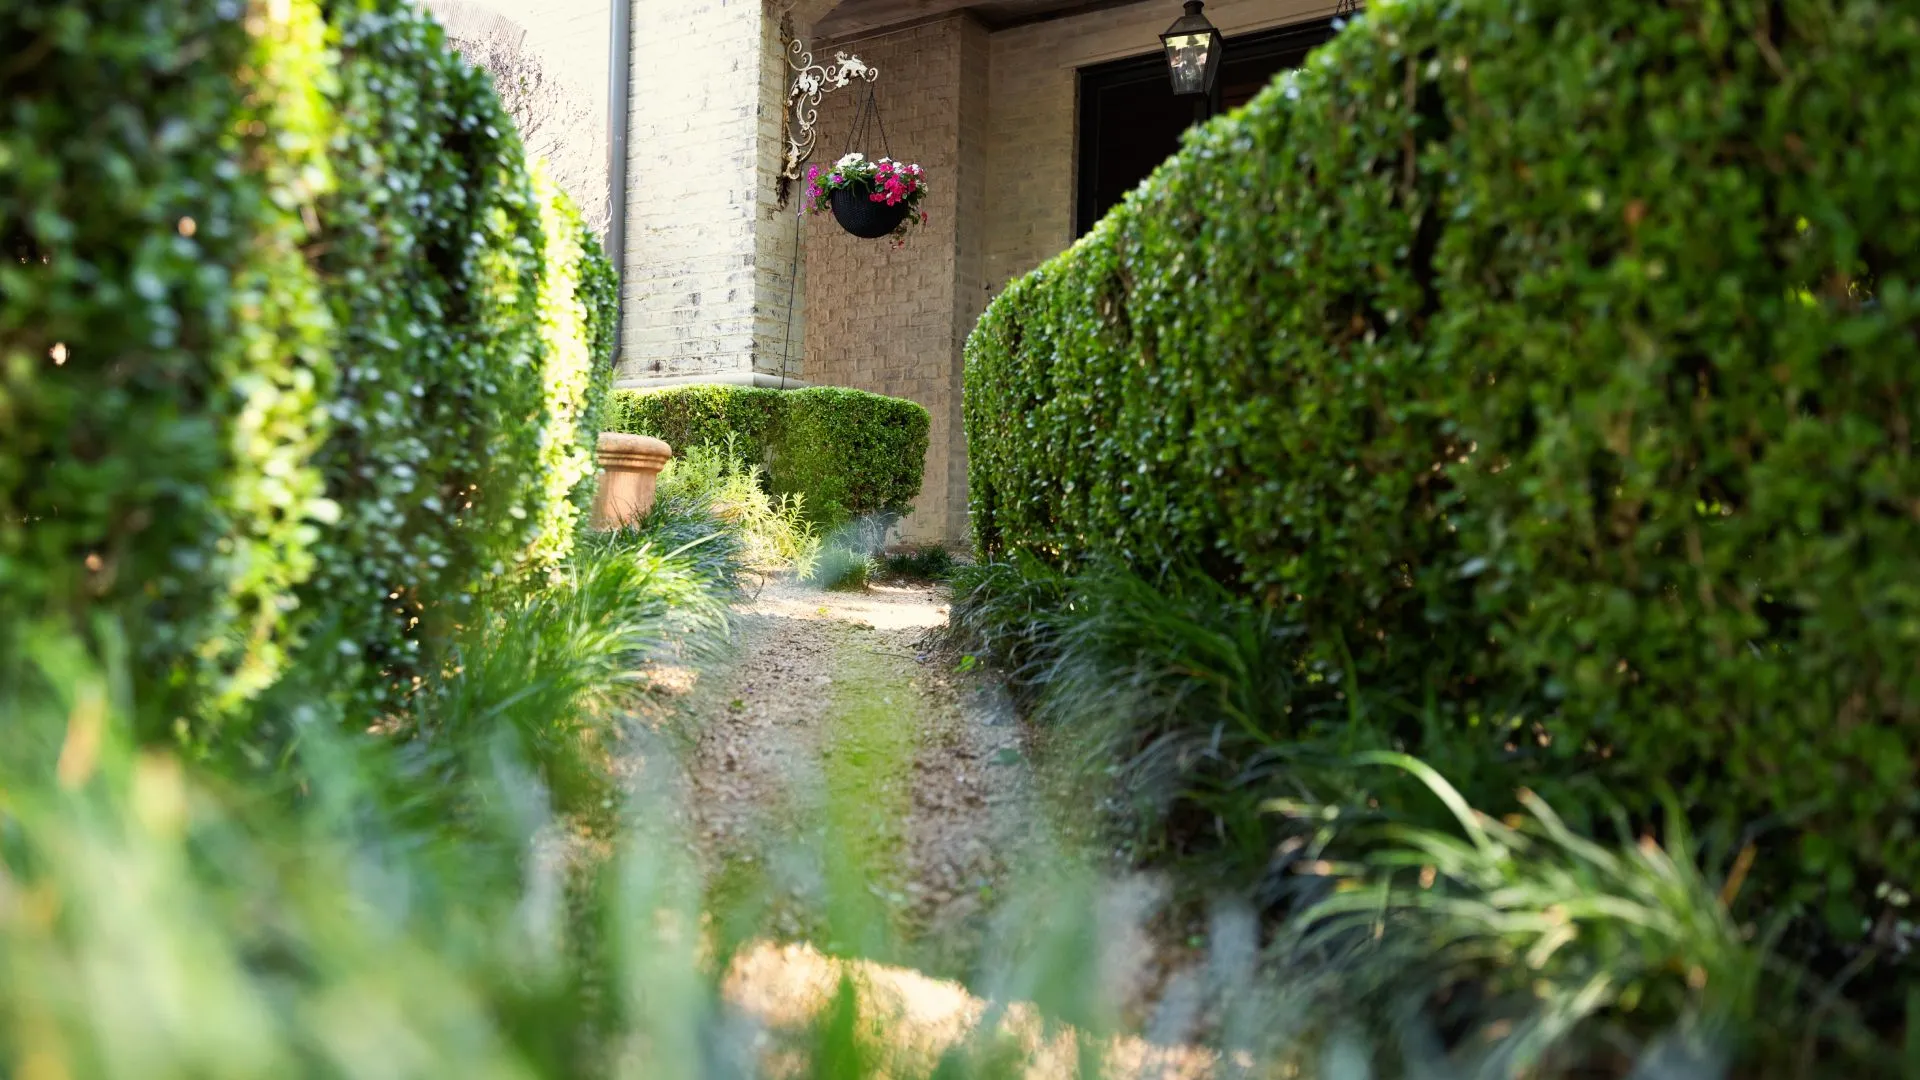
[855, 210]
[629, 465]
[619, 450]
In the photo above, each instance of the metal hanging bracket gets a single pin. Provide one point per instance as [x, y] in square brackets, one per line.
[803, 98]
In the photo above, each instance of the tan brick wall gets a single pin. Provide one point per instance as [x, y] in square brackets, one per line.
[1032, 99]
[886, 320]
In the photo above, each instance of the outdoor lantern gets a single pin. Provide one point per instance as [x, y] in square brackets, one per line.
[1193, 52]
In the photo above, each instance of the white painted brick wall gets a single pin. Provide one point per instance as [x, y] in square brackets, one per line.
[690, 282]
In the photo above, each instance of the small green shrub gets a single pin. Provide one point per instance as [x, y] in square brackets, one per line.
[164, 345]
[558, 664]
[854, 454]
[1539, 951]
[849, 454]
[1552, 374]
[840, 566]
[925, 563]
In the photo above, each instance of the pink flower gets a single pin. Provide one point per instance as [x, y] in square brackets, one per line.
[813, 172]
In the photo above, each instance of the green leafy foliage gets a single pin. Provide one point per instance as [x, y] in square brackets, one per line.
[1548, 366]
[270, 928]
[849, 454]
[556, 665]
[473, 341]
[1551, 950]
[928, 562]
[163, 343]
[844, 566]
[854, 454]
[326, 365]
[690, 416]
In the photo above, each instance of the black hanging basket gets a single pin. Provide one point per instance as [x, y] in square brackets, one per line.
[855, 210]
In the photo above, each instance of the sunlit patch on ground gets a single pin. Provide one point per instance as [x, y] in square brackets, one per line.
[910, 1021]
[672, 679]
[883, 607]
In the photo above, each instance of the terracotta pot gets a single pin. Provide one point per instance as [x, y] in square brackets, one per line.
[855, 210]
[629, 464]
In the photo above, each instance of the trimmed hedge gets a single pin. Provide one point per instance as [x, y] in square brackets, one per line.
[848, 453]
[1552, 364]
[293, 406]
[163, 342]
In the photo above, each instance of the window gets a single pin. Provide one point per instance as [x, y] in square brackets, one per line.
[1130, 121]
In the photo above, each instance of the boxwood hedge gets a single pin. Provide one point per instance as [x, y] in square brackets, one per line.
[294, 347]
[163, 340]
[849, 454]
[464, 403]
[1552, 363]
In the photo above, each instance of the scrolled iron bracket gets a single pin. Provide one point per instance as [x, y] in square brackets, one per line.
[803, 98]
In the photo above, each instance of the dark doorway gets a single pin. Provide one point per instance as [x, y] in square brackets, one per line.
[1130, 121]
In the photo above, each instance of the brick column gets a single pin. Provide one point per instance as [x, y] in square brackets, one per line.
[704, 287]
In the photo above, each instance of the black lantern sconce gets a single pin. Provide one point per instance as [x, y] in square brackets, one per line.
[1193, 52]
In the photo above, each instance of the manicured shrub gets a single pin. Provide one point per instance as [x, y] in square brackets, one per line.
[432, 245]
[474, 358]
[575, 378]
[690, 416]
[928, 562]
[1549, 365]
[323, 366]
[847, 453]
[853, 454]
[163, 343]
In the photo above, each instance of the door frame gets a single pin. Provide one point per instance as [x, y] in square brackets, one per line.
[1280, 43]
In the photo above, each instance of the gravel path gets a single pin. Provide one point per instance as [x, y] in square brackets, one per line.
[847, 790]
[839, 736]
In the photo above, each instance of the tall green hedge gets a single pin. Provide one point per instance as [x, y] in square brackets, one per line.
[458, 445]
[1552, 363]
[298, 355]
[163, 341]
[849, 454]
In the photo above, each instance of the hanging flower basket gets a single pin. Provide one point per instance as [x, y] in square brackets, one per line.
[857, 212]
[870, 199]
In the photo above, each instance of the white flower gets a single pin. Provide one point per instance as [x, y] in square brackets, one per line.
[850, 161]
